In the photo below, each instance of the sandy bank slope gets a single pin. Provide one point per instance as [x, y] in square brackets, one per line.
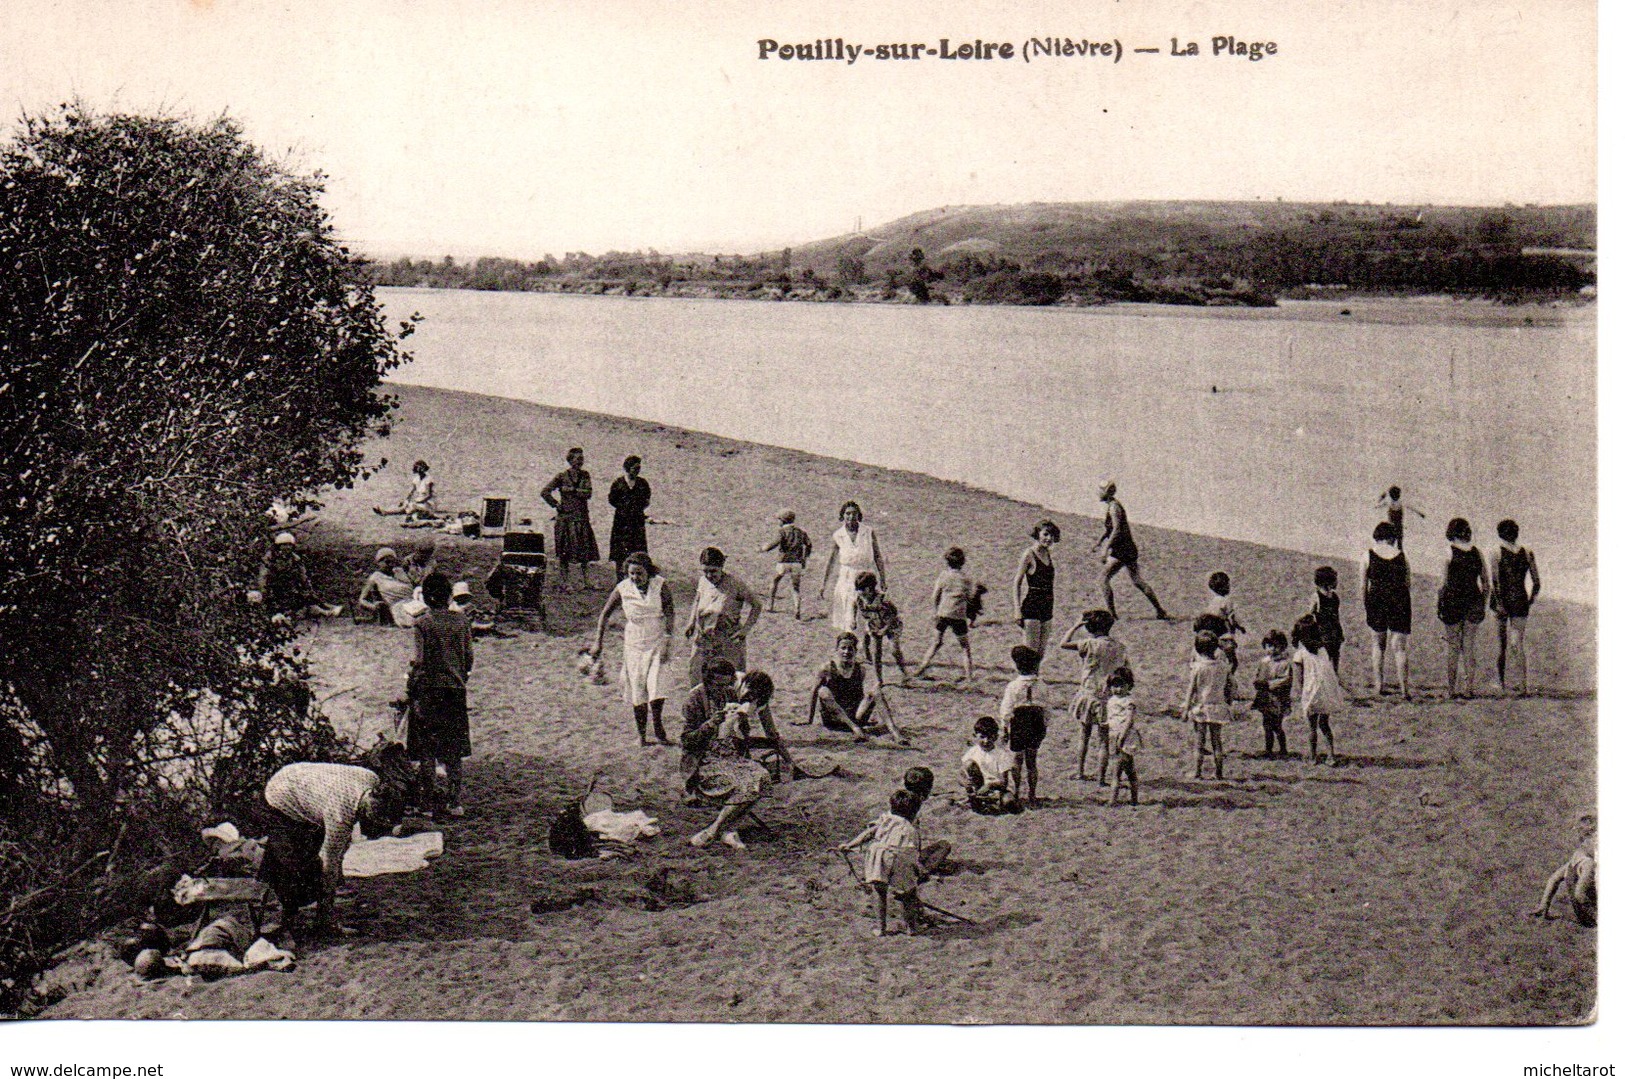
[1387, 891]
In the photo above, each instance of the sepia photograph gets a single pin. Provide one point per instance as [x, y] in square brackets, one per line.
[1071, 517]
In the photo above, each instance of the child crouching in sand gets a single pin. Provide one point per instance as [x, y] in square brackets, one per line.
[988, 770]
[892, 860]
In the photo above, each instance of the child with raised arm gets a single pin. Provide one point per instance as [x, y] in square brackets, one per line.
[988, 770]
[794, 547]
[1023, 716]
[1207, 702]
[1394, 509]
[950, 599]
[891, 860]
[1315, 685]
[1121, 733]
[1272, 692]
[881, 623]
[1099, 655]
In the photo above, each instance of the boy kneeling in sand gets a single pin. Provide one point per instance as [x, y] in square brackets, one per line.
[989, 771]
[892, 860]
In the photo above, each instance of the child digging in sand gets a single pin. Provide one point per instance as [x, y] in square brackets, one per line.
[1207, 702]
[1023, 716]
[1272, 692]
[1121, 734]
[794, 547]
[891, 861]
[1099, 655]
[951, 598]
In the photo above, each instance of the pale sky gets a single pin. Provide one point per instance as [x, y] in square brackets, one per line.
[522, 128]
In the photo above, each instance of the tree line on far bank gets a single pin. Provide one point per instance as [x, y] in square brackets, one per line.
[1513, 254]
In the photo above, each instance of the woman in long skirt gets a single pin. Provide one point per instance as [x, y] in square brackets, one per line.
[573, 541]
[630, 496]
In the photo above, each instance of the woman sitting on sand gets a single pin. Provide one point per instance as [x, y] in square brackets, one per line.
[857, 550]
[841, 698]
[716, 765]
[418, 505]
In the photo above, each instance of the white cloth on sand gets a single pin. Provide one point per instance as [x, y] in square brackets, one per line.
[405, 854]
[622, 827]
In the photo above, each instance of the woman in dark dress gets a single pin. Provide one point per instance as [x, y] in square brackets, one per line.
[630, 495]
[573, 541]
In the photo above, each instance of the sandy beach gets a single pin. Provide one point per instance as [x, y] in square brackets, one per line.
[1386, 891]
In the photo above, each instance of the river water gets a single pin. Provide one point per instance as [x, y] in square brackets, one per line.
[1277, 426]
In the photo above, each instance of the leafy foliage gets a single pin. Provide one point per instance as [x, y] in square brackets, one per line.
[181, 342]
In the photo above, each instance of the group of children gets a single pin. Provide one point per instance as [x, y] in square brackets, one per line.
[1004, 749]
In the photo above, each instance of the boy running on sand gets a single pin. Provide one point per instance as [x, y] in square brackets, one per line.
[794, 547]
[988, 770]
[1315, 685]
[950, 598]
[1272, 692]
[1023, 716]
[1207, 702]
[1122, 734]
[891, 861]
[1099, 656]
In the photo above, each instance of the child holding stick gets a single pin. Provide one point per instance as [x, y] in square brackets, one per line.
[891, 862]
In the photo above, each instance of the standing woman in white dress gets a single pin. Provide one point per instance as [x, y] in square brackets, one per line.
[857, 549]
[650, 616]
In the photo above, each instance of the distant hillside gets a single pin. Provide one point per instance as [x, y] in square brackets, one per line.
[1090, 253]
[1194, 236]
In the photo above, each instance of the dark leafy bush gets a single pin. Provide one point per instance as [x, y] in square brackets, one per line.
[181, 342]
